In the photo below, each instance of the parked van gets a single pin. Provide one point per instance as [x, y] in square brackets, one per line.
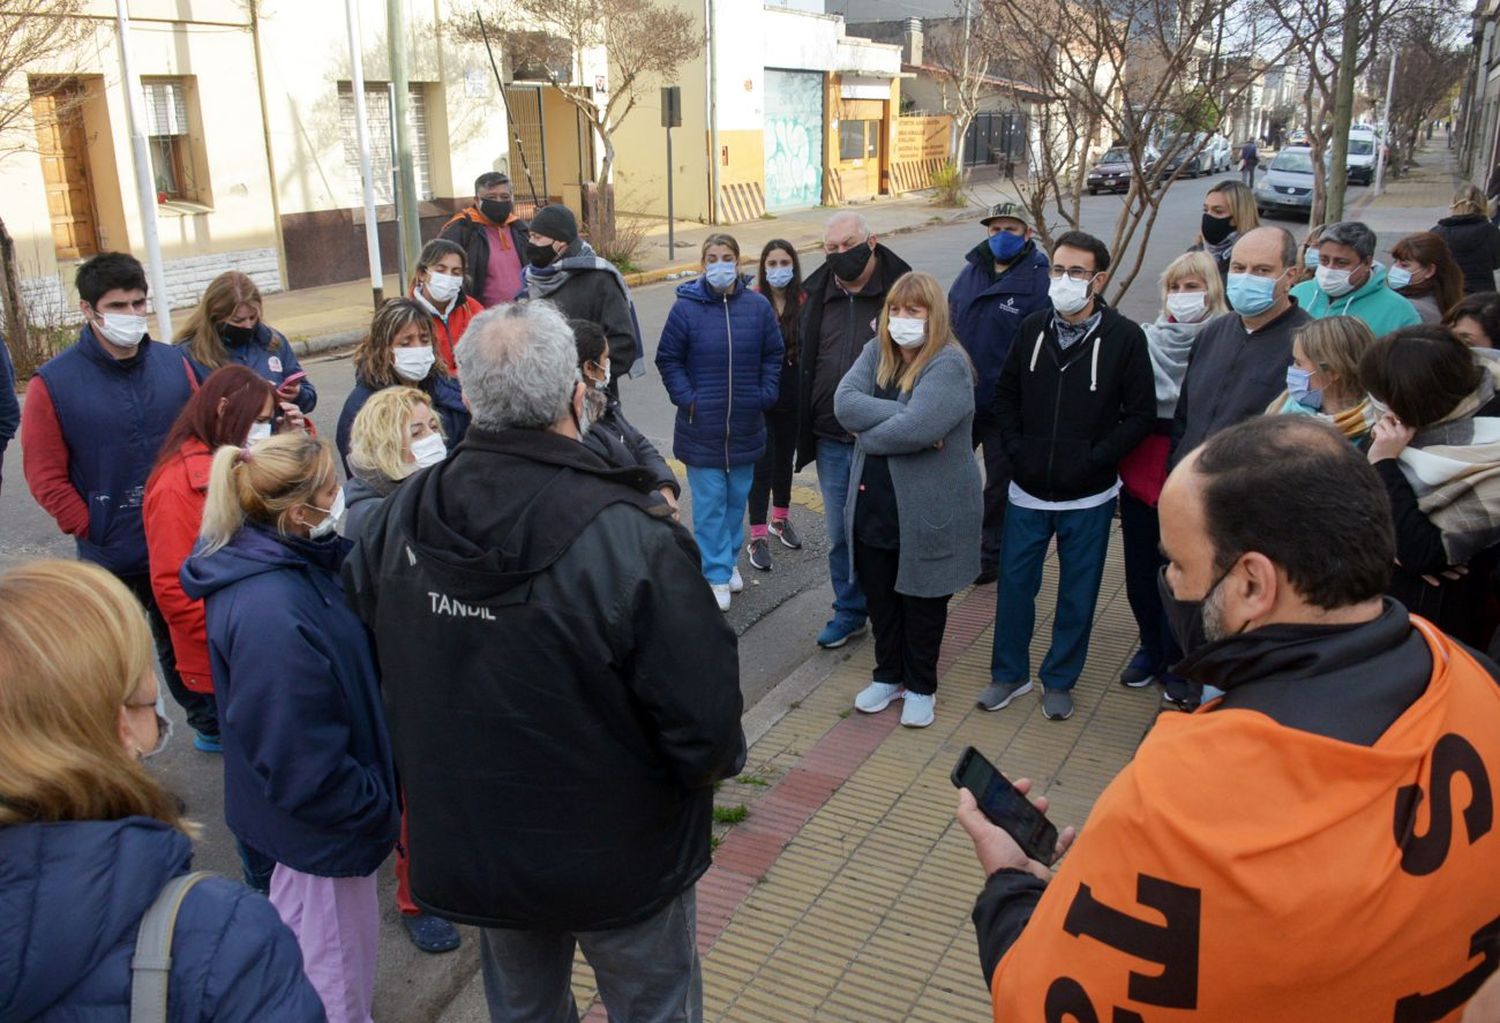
[1364, 150]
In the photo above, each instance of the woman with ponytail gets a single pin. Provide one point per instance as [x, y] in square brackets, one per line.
[308, 778]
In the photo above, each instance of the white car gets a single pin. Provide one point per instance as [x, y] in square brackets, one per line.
[1220, 154]
[1364, 150]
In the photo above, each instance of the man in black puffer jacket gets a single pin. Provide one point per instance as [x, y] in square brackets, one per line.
[562, 689]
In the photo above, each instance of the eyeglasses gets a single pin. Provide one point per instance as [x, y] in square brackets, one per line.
[1073, 273]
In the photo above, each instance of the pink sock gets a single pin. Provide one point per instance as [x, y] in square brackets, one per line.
[780, 514]
[758, 532]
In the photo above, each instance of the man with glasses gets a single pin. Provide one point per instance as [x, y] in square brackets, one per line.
[1076, 395]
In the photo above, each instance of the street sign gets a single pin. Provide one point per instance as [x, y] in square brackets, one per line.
[671, 106]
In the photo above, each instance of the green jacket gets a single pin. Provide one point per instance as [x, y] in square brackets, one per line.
[1381, 308]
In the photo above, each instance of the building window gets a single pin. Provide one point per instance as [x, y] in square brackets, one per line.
[169, 138]
[859, 140]
[380, 124]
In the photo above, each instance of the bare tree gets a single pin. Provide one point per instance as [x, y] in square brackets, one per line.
[35, 36]
[967, 59]
[1432, 62]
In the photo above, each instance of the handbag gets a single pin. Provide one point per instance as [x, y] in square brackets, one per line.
[151, 966]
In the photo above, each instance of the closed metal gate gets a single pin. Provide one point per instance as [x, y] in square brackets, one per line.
[381, 123]
[794, 139]
[995, 138]
[526, 121]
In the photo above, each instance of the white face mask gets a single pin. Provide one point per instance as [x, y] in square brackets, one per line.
[123, 330]
[429, 450]
[1187, 306]
[443, 288]
[331, 519]
[1334, 282]
[603, 383]
[1068, 296]
[258, 431]
[414, 363]
[907, 331]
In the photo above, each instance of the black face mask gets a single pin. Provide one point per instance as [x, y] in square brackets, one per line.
[1185, 617]
[848, 265]
[1216, 229]
[237, 336]
[496, 210]
[540, 256]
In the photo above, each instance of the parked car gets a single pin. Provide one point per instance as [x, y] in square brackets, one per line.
[1112, 173]
[1190, 152]
[1364, 149]
[1221, 154]
[1298, 138]
[1287, 186]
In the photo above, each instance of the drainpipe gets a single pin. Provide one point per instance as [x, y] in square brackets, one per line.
[713, 113]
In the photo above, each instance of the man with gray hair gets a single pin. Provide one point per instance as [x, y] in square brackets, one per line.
[561, 688]
[840, 313]
[1350, 283]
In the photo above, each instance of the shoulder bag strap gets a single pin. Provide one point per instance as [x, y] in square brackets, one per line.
[152, 964]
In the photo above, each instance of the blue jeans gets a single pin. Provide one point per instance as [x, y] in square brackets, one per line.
[719, 497]
[256, 866]
[1082, 542]
[835, 460]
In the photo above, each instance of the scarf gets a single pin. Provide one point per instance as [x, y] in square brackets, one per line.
[546, 281]
[1453, 466]
[1220, 252]
[1354, 423]
[1170, 345]
[1069, 334]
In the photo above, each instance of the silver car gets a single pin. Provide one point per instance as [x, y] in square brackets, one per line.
[1287, 187]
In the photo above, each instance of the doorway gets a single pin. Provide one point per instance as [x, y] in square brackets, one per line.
[62, 145]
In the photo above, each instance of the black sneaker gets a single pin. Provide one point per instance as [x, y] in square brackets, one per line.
[760, 554]
[1138, 673]
[782, 530]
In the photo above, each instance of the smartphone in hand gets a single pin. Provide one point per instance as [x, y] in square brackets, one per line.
[1006, 808]
[293, 381]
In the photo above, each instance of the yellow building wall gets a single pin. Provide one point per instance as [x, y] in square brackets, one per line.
[640, 170]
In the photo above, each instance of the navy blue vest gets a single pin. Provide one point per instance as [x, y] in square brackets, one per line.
[115, 414]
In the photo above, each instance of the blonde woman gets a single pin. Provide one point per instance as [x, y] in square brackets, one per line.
[915, 508]
[308, 778]
[1323, 379]
[88, 837]
[1228, 212]
[1473, 240]
[227, 327]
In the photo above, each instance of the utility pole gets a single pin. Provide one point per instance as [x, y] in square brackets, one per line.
[1343, 114]
[408, 223]
[961, 137]
[1385, 135]
[362, 133]
[145, 182]
[713, 112]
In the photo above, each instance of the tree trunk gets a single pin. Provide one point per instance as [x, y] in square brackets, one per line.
[1343, 112]
[16, 327]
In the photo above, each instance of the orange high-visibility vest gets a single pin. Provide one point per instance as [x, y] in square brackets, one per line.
[1239, 870]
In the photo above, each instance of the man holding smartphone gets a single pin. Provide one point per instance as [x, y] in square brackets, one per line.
[1322, 864]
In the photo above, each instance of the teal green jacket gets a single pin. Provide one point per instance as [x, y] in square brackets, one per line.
[1381, 308]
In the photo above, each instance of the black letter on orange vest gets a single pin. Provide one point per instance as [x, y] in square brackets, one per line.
[1442, 1004]
[1422, 854]
[1174, 946]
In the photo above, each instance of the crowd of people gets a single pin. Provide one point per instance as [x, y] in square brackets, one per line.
[1302, 447]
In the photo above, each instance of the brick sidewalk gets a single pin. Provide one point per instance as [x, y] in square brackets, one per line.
[845, 894]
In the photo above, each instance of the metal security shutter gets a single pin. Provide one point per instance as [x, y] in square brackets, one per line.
[382, 146]
[417, 109]
[166, 109]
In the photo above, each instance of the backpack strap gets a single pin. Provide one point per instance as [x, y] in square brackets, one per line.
[152, 964]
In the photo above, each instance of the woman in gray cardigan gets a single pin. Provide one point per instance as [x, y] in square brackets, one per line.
[915, 511]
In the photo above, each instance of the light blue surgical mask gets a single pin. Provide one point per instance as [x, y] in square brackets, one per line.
[1299, 389]
[1249, 294]
[779, 276]
[722, 274]
[1398, 278]
[1310, 259]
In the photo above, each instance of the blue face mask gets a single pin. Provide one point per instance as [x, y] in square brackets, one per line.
[1250, 295]
[722, 274]
[1398, 277]
[1297, 381]
[1005, 246]
[1310, 259]
[778, 276]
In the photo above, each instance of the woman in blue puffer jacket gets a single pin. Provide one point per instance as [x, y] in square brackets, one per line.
[720, 359]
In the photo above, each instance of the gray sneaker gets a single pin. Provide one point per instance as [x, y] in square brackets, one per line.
[997, 695]
[1057, 704]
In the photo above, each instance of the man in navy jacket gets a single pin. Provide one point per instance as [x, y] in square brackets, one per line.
[1004, 282]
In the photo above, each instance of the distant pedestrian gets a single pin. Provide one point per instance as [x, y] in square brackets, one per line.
[437, 285]
[1424, 273]
[611, 436]
[1249, 160]
[89, 837]
[1323, 379]
[779, 278]
[227, 327]
[1004, 280]
[493, 239]
[1192, 296]
[94, 421]
[10, 406]
[1075, 397]
[844, 299]
[1472, 238]
[399, 351]
[720, 361]
[1229, 211]
[566, 271]
[915, 499]
[562, 692]
[1348, 282]
[308, 778]
[1475, 320]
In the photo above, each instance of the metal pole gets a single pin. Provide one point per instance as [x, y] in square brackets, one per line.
[671, 217]
[713, 115]
[144, 181]
[1390, 87]
[401, 263]
[959, 139]
[409, 224]
[362, 132]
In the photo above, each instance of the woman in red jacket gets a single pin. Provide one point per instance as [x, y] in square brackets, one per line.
[438, 287]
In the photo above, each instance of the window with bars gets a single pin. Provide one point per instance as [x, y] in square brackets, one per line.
[169, 138]
[380, 125]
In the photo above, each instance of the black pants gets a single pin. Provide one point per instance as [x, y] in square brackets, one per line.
[908, 630]
[996, 487]
[201, 709]
[1140, 535]
[773, 473]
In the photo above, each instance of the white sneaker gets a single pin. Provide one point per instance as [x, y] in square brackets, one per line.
[916, 710]
[877, 696]
[736, 581]
[721, 594]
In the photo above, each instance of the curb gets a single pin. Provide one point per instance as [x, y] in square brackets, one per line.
[789, 693]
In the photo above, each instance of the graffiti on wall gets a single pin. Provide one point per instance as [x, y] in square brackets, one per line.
[794, 139]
